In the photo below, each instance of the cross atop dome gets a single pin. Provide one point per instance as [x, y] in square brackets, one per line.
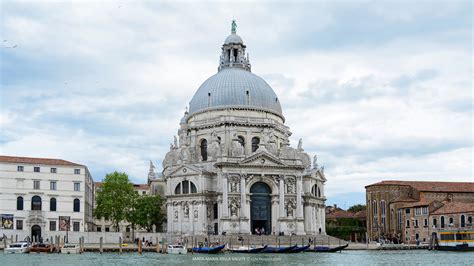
[233, 51]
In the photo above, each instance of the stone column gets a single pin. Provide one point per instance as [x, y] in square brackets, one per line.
[225, 204]
[242, 197]
[299, 190]
[282, 197]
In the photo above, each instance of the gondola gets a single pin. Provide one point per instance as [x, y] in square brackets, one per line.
[247, 250]
[208, 250]
[299, 249]
[278, 249]
[327, 249]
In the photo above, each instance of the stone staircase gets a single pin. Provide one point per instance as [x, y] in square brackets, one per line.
[255, 240]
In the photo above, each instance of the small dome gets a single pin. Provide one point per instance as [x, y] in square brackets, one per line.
[235, 88]
[233, 38]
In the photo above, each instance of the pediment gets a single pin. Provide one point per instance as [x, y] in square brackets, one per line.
[185, 169]
[262, 158]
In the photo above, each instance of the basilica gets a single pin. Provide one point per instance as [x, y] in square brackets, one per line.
[231, 169]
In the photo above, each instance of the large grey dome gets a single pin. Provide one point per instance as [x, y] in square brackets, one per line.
[237, 88]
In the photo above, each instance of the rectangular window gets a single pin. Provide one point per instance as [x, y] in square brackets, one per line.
[416, 223]
[77, 186]
[77, 171]
[36, 184]
[407, 211]
[75, 226]
[53, 170]
[418, 211]
[99, 229]
[424, 210]
[408, 223]
[19, 224]
[20, 168]
[36, 169]
[52, 185]
[426, 223]
[52, 225]
[399, 219]
[107, 229]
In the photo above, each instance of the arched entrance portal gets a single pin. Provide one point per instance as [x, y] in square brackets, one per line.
[261, 207]
[36, 233]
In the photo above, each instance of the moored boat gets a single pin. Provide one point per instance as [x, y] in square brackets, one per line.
[247, 249]
[177, 249]
[299, 249]
[455, 240]
[208, 250]
[41, 247]
[70, 249]
[327, 249]
[278, 249]
[19, 247]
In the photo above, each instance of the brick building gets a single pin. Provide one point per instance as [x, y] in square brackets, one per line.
[406, 211]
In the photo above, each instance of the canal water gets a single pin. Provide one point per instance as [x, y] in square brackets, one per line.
[356, 257]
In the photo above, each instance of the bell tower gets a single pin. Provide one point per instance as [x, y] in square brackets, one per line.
[233, 51]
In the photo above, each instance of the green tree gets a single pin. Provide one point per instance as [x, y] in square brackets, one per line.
[147, 212]
[115, 198]
[356, 208]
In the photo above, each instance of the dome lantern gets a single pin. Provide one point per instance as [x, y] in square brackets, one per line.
[233, 51]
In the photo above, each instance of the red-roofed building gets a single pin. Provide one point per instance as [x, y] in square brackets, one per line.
[408, 211]
[346, 225]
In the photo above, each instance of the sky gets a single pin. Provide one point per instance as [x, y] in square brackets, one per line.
[379, 90]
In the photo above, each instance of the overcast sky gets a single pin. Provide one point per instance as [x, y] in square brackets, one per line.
[378, 89]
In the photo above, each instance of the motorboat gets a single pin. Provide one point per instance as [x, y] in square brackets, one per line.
[70, 249]
[209, 250]
[19, 247]
[278, 249]
[299, 249]
[177, 249]
[327, 249]
[42, 247]
[247, 249]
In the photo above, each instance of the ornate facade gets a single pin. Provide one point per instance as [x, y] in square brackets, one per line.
[231, 169]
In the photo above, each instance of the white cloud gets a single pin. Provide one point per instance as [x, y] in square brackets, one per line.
[105, 84]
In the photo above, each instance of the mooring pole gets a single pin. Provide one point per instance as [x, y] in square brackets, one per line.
[120, 245]
[101, 248]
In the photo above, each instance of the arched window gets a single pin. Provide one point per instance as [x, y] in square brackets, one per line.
[185, 187]
[463, 220]
[451, 221]
[36, 203]
[435, 222]
[241, 140]
[442, 221]
[314, 190]
[177, 190]
[255, 142]
[52, 204]
[19, 203]
[77, 205]
[319, 192]
[204, 149]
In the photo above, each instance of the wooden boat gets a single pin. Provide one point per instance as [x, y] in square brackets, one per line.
[70, 249]
[299, 249]
[327, 249]
[41, 247]
[208, 250]
[278, 249]
[454, 240]
[19, 247]
[177, 249]
[244, 249]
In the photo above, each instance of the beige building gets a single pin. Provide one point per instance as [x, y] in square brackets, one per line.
[407, 211]
[39, 196]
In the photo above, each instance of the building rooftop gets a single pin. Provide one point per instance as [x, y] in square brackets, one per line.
[432, 186]
[37, 161]
[455, 207]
